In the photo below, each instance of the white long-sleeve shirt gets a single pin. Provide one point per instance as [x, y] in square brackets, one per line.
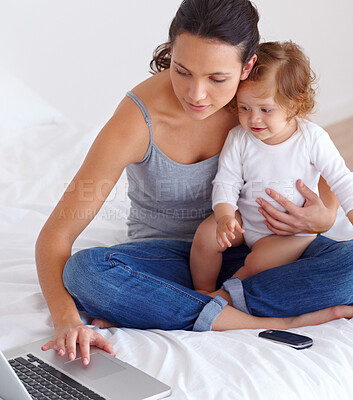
[247, 166]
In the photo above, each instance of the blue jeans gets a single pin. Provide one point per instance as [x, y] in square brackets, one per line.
[148, 285]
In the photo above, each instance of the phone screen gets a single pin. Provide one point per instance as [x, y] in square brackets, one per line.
[288, 336]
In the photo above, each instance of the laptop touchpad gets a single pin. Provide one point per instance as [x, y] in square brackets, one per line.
[98, 367]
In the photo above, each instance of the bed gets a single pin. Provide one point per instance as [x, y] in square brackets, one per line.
[40, 152]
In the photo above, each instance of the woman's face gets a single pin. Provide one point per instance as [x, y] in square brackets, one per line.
[205, 74]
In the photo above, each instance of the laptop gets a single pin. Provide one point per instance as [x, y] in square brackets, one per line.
[28, 373]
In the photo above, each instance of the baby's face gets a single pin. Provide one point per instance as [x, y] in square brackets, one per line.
[260, 115]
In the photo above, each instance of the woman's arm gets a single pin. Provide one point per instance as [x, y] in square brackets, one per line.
[122, 141]
[316, 216]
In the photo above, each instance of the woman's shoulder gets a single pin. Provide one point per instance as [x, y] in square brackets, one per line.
[155, 92]
[127, 129]
[149, 93]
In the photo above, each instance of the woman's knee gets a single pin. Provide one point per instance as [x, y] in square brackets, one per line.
[347, 248]
[339, 261]
[344, 258]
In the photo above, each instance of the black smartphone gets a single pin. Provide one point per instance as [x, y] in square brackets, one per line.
[298, 342]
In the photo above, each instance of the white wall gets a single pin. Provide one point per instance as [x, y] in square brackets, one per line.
[83, 55]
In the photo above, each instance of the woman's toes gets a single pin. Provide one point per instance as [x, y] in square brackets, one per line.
[341, 311]
[102, 324]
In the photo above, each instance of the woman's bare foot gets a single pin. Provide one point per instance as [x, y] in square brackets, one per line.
[342, 311]
[319, 317]
[103, 324]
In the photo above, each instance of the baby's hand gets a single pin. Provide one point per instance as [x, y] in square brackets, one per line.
[225, 228]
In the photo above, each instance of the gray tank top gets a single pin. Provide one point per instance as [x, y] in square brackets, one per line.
[168, 200]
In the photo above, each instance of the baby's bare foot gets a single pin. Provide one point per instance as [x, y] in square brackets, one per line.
[203, 292]
[103, 324]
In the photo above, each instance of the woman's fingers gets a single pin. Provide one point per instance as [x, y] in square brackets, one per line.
[71, 340]
[82, 335]
[291, 208]
[296, 219]
[267, 210]
[101, 342]
[88, 337]
[49, 345]
[57, 344]
[282, 201]
[274, 224]
[84, 339]
[308, 194]
[60, 344]
[278, 232]
[312, 217]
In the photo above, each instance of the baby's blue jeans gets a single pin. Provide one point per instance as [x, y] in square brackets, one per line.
[147, 284]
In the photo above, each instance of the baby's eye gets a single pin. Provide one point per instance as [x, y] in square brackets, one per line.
[243, 108]
[266, 110]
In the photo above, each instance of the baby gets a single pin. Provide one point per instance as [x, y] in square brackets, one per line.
[272, 148]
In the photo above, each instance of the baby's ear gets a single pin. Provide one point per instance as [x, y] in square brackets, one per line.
[294, 107]
[248, 67]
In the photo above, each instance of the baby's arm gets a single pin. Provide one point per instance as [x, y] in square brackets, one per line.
[228, 222]
[226, 188]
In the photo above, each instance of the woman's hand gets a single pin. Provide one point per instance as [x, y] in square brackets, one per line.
[70, 335]
[313, 217]
[225, 230]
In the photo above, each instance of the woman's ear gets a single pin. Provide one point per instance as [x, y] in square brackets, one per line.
[248, 67]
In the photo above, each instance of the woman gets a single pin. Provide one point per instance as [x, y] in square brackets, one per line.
[168, 134]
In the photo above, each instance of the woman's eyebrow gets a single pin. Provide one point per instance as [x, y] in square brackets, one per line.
[214, 73]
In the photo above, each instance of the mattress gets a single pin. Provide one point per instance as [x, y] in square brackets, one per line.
[39, 155]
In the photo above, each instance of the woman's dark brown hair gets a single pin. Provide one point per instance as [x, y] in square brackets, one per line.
[230, 21]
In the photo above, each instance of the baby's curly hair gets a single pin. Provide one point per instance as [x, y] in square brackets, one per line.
[292, 75]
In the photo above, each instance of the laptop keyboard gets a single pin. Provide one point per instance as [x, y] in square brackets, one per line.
[43, 381]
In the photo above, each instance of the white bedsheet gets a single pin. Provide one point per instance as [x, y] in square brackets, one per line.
[36, 165]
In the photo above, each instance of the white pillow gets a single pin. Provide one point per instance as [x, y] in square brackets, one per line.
[21, 107]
